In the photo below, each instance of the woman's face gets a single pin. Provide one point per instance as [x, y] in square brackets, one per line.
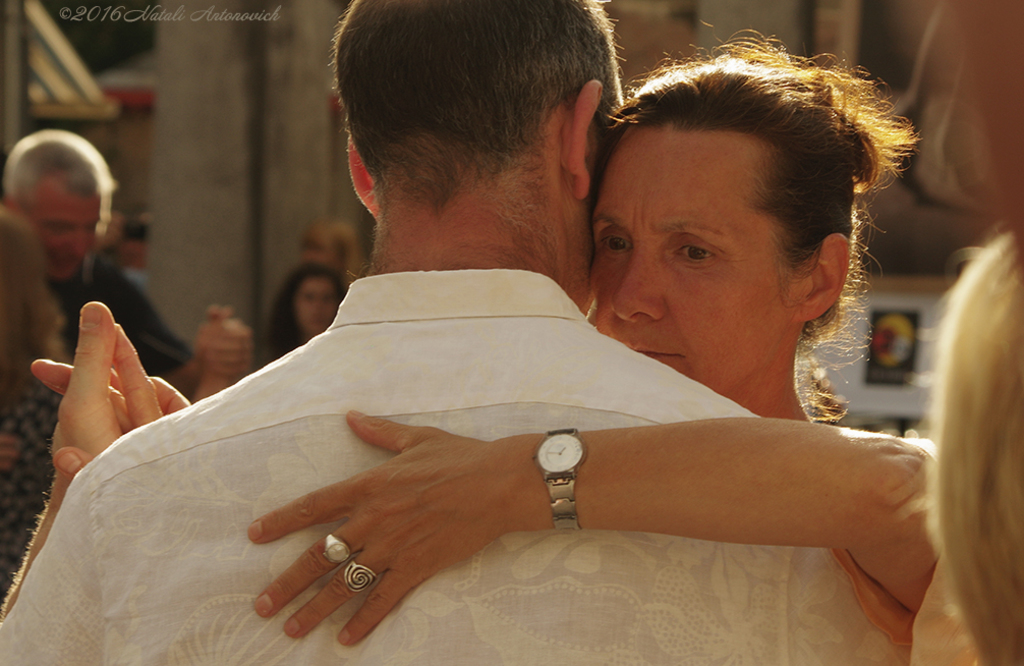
[316, 304]
[685, 268]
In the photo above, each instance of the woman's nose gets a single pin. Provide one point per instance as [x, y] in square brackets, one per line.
[640, 292]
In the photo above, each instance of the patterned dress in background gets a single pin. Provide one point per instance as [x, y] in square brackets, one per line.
[24, 487]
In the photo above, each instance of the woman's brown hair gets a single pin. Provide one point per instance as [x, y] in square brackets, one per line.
[30, 319]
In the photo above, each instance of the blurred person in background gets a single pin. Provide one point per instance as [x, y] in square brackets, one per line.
[124, 242]
[30, 323]
[336, 245]
[132, 251]
[61, 184]
[304, 307]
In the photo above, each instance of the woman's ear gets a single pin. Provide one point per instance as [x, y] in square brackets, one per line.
[821, 288]
[361, 180]
[576, 138]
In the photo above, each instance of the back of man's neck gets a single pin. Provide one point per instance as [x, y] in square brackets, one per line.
[471, 232]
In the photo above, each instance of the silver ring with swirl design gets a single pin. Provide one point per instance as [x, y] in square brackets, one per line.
[358, 577]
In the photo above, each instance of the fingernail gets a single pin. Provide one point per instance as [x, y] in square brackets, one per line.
[264, 605]
[356, 414]
[291, 627]
[70, 464]
[344, 637]
[255, 530]
[90, 317]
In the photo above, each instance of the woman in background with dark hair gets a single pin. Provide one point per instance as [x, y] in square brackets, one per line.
[304, 308]
[30, 324]
[334, 244]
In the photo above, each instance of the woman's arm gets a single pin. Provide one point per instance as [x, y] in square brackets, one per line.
[771, 482]
[763, 481]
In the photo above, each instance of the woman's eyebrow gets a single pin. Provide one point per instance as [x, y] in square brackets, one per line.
[689, 226]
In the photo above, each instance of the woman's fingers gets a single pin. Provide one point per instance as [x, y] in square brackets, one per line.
[364, 569]
[94, 355]
[361, 573]
[326, 505]
[137, 388]
[138, 391]
[86, 414]
[400, 559]
[170, 399]
[307, 569]
[54, 375]
[119, 406]
[431, 506]
[68, 460]
[393, 586]
[332, 503]
[388, 434]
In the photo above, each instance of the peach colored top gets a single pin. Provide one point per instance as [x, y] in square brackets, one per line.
[937, 636]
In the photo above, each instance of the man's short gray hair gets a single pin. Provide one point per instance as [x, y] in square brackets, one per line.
[50, 152]
[438, 93]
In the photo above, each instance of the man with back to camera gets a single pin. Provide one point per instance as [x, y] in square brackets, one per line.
[61, 184]
[477, 171]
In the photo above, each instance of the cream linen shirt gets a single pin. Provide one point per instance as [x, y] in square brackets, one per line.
[148, 561]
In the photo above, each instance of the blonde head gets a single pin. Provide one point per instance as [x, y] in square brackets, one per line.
[979, 429]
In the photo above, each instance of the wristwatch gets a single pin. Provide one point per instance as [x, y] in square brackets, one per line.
[559, 456]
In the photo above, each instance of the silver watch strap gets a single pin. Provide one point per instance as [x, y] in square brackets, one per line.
[563, 503]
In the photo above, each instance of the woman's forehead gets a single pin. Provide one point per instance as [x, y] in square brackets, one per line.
[685, 177]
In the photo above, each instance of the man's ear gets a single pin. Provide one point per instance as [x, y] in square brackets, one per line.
[821, 288]
[361, 180]
[576, 138]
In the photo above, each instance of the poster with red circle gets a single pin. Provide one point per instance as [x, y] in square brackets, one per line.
[893, 347]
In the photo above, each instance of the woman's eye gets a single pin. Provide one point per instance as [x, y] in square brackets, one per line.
[616, 243]
[694, 253]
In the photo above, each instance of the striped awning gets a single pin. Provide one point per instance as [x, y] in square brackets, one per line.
[60, 85]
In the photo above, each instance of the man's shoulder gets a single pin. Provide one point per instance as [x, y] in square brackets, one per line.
[106, 274]
[98, 279]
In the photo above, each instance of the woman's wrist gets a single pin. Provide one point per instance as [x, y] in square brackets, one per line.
[526, 503]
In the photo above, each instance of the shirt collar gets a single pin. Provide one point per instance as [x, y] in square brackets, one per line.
[418, 296]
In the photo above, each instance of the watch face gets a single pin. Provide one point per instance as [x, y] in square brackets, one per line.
[560, 453]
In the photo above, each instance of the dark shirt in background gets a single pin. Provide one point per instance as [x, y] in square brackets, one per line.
[160, 350]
